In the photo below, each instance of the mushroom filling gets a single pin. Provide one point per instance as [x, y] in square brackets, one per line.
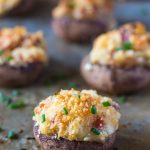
[77, 115]
[126, 47]
[19, 47]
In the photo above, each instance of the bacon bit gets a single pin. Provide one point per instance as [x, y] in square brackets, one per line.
[42, 105]
[99, 123]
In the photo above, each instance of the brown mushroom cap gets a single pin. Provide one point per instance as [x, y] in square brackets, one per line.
[49, 143]
[20, 76]
[115, 80]
[78, 30]
[21, 8]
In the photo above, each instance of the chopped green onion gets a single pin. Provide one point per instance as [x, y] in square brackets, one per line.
[122, 99]
[127, 46]
[93, 109]
[11, 135]
[5, 99]
[65, 111]
[9, 58]
[95, 131]
[119, 49]
[16, 93]
[106, 104]
[77, 95]
[72, 85]
[17, 104]
[1, 52]
[43, 118]
[33, 114]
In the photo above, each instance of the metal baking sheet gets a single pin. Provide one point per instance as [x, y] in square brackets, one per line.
[134, 131]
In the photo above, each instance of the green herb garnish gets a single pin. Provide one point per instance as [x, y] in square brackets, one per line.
[119, 49]
[122, 99]
[95, 131]
[106, 104]
[1, 52]
[72, 85]
[11, 135]
[17, 104]
[16, 93]
[65, 111]
[5, 99]
[77, 95]
[93, 109]
[126, 46]
[43, 118]
[33, 114]
[9, 58]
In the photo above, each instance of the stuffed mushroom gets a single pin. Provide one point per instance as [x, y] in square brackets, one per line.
[82, 21]
[74, 119]
[22, 56]
[15, 6]
[120, 60]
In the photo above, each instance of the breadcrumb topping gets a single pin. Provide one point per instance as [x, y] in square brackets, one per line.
[77, 115]
[128, 46]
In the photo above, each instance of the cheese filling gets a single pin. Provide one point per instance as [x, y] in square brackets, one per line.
[126, 47]
[79, 116]
[19, 47]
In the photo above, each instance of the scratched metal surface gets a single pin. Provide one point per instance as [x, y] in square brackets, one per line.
[134, 132]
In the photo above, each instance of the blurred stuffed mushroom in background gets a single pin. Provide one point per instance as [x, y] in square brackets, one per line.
[82, 21]
[22, 56]
[120, 60]
[15, 7]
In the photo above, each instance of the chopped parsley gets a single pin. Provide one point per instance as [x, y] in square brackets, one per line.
[5, 99]
[33, 114]
[119, 49]
[126, 46]
[72, 85]
[77, 95]
[9, 58]
[65, 111]
[95, 131]
[11, 135]
[1, 52]
[122, 99]
[17, 104]
[106, 104]
[43, 118]
[93, 109]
